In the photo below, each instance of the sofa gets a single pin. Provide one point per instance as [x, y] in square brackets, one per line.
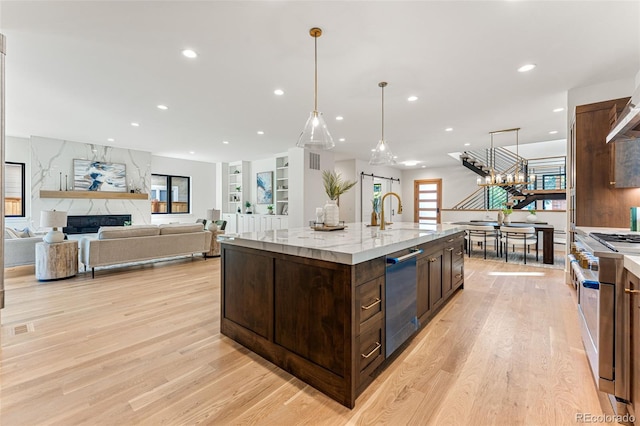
[125, 244]
[19, 248]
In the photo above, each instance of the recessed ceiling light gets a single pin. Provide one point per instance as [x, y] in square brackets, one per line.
[163, 107]
[412, 98]
[341, 139]
[278, 92]
[527, 67]
[423, 166]
[553, 132]
[449, 129]
[467, 144]
[189, 53]
[373, 150]
[225, 142]
[111, 140]
[260, 132]
[339, 118]
[410, 163]
[135, 124]
[558, 110]
[395, 156]
[192, 152]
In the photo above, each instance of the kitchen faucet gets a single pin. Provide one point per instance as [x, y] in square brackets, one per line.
[382, 224]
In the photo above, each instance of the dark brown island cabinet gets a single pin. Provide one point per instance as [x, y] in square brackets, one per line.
[316, 306]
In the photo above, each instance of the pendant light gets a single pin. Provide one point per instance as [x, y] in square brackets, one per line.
[382, 154]
[315, 134]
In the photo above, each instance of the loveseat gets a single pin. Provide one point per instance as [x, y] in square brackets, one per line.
[19, 248]
[125, 244]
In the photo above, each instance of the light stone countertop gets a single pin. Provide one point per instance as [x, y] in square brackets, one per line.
[355, 244]
[632, 263]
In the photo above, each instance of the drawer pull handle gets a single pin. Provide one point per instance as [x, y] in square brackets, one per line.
[458, 275]
[450, 241]
[459, 253]
[373, 351]
[630, 291]
[433, 259]
[375, 302]
[450, 249]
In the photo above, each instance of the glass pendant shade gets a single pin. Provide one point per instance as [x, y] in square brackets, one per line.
[315, 134]
[381, 155]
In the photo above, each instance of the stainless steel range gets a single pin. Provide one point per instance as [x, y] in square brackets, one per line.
[603, 306]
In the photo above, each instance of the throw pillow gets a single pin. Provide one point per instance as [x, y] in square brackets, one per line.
[22, 233]
[10, 234]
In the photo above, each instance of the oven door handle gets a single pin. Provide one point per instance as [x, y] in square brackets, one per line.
[586, 283]
[595, 285]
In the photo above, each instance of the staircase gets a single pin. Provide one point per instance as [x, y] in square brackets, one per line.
[550, 181]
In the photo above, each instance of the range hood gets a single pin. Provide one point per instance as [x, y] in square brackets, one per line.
[627, 126]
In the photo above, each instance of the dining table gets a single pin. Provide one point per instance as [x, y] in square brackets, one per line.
[546, 229]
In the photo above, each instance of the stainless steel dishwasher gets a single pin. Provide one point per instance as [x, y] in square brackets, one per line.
[400, 298]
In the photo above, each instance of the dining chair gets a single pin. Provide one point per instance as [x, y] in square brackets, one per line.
[515, 235]
[481, 234]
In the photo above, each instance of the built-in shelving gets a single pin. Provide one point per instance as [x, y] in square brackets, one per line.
[93, 194]
[236, 187]
[282, 185]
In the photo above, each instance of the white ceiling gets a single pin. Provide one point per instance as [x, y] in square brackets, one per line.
[83, 71]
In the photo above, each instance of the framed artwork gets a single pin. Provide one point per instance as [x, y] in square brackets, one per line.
[91, 175]
[265, 188]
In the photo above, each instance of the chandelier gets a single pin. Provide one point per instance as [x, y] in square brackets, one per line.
[517, 175]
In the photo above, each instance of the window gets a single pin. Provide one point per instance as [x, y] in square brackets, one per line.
[170, 194]
[14, 190]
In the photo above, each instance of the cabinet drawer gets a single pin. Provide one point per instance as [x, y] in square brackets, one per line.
[370, 352]
[457, 273]
[369, 300]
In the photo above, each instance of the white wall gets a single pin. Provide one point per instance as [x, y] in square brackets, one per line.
[203, 186]
[52, 160]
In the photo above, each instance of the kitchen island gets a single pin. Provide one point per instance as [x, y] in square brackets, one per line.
[314, 303]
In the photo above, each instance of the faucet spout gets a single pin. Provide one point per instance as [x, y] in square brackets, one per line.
[382, 222]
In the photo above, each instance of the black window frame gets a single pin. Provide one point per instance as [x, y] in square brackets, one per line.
[23, 189]
[170, 193]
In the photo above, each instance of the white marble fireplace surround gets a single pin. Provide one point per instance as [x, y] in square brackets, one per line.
[51, 157]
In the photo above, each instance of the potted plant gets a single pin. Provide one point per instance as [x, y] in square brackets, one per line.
[247, 208]
[334, 186]
[506, 211]
[270, 208]
[238, 188]
[532, 216]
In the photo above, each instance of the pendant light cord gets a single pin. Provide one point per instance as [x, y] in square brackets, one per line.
[383, 112]
[315, 61]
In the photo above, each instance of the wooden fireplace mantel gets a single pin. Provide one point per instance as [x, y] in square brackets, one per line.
[93, 194]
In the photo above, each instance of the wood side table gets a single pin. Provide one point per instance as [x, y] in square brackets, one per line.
[56, 261]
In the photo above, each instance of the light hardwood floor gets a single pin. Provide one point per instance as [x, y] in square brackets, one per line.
[141, 345]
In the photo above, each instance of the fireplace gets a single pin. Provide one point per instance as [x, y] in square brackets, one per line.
[91, 223]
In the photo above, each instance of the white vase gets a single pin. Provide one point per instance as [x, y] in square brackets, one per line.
[532, 218]
[507, 219]
[331, 213]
